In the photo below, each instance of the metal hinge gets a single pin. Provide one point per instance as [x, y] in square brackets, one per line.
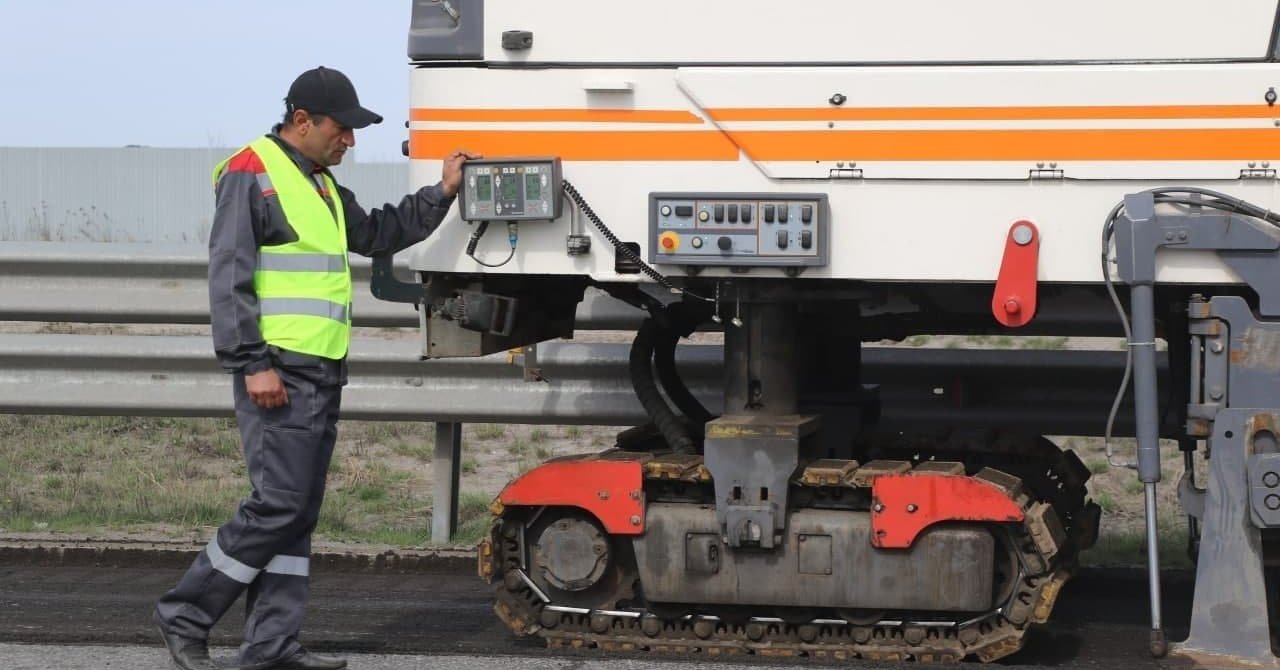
[845, 173]
[1257, 173]
[1045, 173]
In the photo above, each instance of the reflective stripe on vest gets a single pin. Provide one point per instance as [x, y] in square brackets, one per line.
[302, 262]
[303, 287]
[303, 306]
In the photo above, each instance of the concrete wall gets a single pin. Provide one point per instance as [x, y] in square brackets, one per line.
[137, 194]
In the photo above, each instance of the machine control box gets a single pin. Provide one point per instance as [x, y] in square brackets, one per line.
[510, 189]
[738, 229]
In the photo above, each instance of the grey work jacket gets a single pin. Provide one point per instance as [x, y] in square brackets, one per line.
[245, 220]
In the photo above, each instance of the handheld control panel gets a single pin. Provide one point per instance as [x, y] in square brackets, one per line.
[738, 229]
[510, 189]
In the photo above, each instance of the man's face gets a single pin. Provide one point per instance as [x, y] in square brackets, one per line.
[327, 140]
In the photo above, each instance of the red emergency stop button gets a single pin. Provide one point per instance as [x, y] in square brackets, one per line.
[668, 242]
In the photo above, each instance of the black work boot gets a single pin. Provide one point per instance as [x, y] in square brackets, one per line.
[188, 653]
[301, 660]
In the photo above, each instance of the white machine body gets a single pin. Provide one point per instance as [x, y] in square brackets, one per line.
[931, 126]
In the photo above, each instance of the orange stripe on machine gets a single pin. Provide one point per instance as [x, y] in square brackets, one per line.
[621, 145]
[557, 115]
[1100, 144]
[1154, 144]
[1080, 112]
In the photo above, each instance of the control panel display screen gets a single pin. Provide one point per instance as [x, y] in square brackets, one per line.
[532, 186]
[511, 189]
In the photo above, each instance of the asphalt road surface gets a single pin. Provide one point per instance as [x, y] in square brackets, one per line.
[72, 617]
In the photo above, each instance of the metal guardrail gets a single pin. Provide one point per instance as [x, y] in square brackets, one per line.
[178, 376]
[585, 383]
[166, 284]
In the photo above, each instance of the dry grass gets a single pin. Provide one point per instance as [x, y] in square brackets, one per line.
[1118, 491]
[183, 477]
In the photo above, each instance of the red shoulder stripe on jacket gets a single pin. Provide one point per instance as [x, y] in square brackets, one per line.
[246, 161]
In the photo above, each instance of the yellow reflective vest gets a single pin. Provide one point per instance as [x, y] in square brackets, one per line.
[303, 287]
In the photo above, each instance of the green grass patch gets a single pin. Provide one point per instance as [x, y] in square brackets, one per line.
[1043, 343]
[1129, 547]
[1106, 502]
[519, 448]
[473, 518]
[488, 431]
[370, 493]
[417, 450]
[399, 537]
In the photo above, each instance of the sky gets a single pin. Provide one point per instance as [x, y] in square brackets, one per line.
[192, 73]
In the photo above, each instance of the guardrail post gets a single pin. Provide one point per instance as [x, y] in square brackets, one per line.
[447, 465]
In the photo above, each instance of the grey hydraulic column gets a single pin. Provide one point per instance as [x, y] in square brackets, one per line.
[1146, 416]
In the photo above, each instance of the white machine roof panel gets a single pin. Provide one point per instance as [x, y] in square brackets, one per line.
[844, 31]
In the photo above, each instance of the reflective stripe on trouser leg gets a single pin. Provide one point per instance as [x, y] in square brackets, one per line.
[199, 599]
[285, 460]
[275, 603]
[274, 607]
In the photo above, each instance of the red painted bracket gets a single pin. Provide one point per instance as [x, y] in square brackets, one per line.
[904, 505]
[1014, 302]
[612, 490]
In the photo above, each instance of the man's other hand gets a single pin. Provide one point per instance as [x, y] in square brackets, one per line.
[265, 389]
[451, 175]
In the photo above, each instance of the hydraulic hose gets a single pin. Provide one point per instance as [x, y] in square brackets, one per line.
[669, 425]
[664, 362]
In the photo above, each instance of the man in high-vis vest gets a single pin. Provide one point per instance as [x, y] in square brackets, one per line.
[280, 306]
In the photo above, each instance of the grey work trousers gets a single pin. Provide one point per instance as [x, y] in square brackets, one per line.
[265, 548]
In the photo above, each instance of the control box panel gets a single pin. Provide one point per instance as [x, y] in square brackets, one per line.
[510, 189]
[738, 229]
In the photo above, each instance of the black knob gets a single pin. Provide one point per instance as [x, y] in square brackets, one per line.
[725, 243]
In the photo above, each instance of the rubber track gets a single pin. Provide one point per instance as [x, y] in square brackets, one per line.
[994, 635]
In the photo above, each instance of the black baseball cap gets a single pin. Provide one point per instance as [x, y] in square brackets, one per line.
[327, 91]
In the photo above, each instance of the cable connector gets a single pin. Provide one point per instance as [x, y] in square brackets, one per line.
[475, 238]
[513, 237]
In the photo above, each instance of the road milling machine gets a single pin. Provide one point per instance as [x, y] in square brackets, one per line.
[808, 179]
